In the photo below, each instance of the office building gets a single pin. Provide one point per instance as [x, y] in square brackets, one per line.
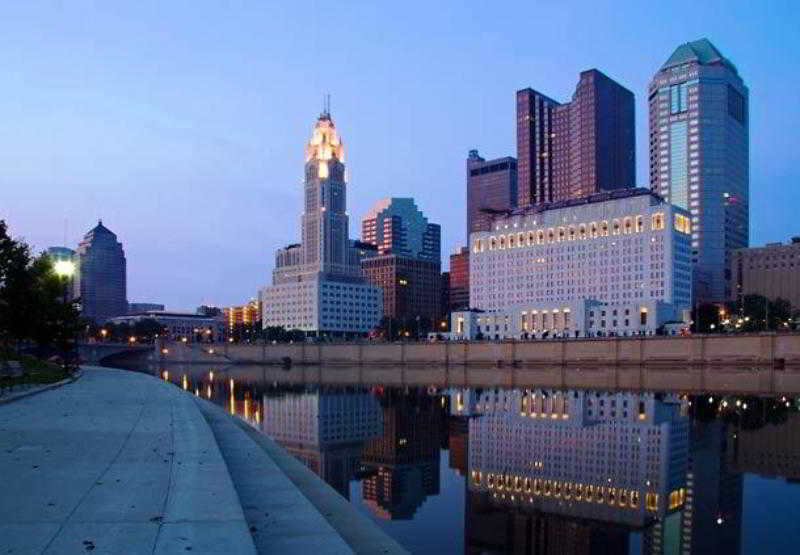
[772, 271]
[317, 285]
[208, 310]
[408, 263]
[137, 308]
[491, 189]
[699, 156]
[411, 287]
[396, 226]
[459, 280]
[179, 325]
[100, 275]
[621, 248]
[572, 150]
[242, 315]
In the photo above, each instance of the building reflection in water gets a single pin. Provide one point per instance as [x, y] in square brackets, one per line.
[325, 428]
[571, 471]
[545, 471]
[404, 460]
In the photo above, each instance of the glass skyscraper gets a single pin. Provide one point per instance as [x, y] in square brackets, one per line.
[100, 277]
[699, 156]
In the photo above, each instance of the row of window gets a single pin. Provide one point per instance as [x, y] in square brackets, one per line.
[582, 231]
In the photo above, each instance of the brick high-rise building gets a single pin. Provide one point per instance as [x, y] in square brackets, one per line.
[459, 279]
[699, 157]
[573, 150]
[491, 186]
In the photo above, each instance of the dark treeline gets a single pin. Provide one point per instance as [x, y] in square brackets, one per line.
[34, 311]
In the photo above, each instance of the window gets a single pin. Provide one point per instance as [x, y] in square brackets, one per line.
[679, 99]
[657, 221]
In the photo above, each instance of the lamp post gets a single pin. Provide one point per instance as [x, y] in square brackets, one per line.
[64, 270]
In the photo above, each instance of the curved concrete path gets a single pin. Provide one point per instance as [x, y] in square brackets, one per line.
[117, 462]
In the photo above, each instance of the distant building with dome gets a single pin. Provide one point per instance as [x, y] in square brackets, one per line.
[101, 275]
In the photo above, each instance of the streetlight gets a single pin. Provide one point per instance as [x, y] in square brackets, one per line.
[104, 333]
[64, 270]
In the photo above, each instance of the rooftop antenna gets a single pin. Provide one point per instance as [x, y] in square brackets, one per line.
[328, 104]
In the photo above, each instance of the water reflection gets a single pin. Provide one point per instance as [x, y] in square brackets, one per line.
[540, 471]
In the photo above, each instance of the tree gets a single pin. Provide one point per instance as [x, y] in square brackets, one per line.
[145, 330]
[33, 306]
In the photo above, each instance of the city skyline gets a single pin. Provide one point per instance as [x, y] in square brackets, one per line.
[214, 166]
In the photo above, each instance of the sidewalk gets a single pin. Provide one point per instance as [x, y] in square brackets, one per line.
[117, 462]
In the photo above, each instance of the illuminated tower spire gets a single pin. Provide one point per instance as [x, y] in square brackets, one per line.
[325, 221]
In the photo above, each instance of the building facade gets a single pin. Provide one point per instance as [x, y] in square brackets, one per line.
[317, 285]
[136, 308]
[179, 325]
[573, 150]
[408, 263]
[459, 279]
[101, 275]
[772, 271]
[699, 156]
[396, 226]
[242, 315]
[622, 247]
[411, 286]
[578, 318]
[491, 188]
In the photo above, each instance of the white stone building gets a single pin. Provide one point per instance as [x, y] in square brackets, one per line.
[626, 247]
[577, 318]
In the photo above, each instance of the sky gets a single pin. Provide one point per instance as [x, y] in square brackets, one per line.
[183, 124]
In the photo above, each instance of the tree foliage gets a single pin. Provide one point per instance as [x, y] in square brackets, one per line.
[33, 304]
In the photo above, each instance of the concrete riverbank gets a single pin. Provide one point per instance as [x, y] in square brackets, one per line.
[120, 462]
[766, 349]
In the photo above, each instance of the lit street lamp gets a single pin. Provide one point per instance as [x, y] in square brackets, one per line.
[64, 270]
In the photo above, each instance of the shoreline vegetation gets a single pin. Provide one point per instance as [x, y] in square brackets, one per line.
[39, 319]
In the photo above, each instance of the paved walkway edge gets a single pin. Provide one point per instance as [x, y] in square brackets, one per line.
[361, 534]
[22, 394]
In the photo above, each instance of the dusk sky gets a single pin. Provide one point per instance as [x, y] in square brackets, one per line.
[182, 124]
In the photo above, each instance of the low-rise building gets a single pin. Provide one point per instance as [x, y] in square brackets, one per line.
[577, 318]
[179, 325]
[772, 271]
[136, 308]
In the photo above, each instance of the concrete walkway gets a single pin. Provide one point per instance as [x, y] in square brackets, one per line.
[116, 462]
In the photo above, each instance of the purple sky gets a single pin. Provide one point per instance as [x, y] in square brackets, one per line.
[183, 124]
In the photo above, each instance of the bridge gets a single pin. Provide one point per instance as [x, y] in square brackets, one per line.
[94, 353]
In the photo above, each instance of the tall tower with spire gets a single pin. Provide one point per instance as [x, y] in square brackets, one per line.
[317, 285]
[325, 221]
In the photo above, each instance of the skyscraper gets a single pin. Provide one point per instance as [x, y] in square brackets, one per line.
[408, 266]
[699, 156]
[573, 150]
[317, 285]
[100, 275]
[397, 226]
[491, 186]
